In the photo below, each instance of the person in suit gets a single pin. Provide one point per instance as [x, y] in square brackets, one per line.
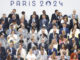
[50, 26]
[55, 16]
[44, 44]
[72, 43]
[73, 21]
[53, 56]
[18, 58]
[5, 19]
[32, 44]
[23, 21]
[36, 16]
[53, 35]
[12, 13]
[14, 19]
[43, 21]
[51, 49]
[11, 28]
[2, 52]
[44, 13]
[36, 20]
[1, 29]
[33, 22]
[11, 50]
[65, 29]
[64, 20]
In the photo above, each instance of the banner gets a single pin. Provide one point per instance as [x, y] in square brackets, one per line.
[64, 6]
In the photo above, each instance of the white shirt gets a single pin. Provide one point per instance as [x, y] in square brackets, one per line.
[23, 53]
[13, 37]
[31, 57]
[51, 31]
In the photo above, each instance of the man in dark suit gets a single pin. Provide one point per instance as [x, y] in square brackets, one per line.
[44, 13]
[5, 19]
[55, 16]
[64, 28]
[1, 28]
[32, 44]
[14, 19]
[12, 50]
[12, 13]
[36, 16]
[44, 44]
[73, 21]
[2, 52]
[52, 36]
[33, 22]
[43, 21]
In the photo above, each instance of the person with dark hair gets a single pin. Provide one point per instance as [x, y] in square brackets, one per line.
[44, 13]
[5, 20]
[54, 22]
[36, 16]
[64, 51]
[11, 51]
[21, 52]
[34, 22]
[73, 21]
[13, 12]
[64, 29]
[55, 16]
[14, 18]
[32, 43]
[23, 12]
[2, 52]
[43, 22]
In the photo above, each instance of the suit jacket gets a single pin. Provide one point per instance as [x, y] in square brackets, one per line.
[36, 21]
[10, 16]
[47, 17]
[13, 52]
[66, 30]
[37, 17]
[46, 23]
[54, 17]
[51, 36]
[45, 46]
[6, 24]
[3, 53]
[51, 51]
[30, 45]
[71, 23]
[19, 59]
[17, 21]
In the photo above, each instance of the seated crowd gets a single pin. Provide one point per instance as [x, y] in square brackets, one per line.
[40, 38]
